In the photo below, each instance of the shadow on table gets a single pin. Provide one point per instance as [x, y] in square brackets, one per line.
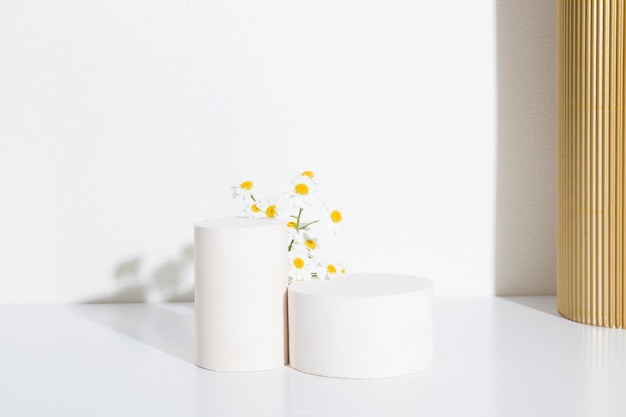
[168, 327]
[545, 304]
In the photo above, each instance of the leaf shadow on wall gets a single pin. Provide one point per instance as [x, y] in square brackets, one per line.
[525, 240]
[167, 282]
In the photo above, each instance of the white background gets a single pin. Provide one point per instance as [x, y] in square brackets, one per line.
[124, 122]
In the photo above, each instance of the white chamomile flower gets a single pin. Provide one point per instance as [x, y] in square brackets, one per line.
[299, 266]
[332, 270]
[271, 208]
[310, 175]
[300, 191]
[254, 211]
[310, 242]
[243, 190]
[293, 234]
[291, 225]
[334, 219]
[271, 211]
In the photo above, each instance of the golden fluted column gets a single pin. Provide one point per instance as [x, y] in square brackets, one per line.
[591, 231]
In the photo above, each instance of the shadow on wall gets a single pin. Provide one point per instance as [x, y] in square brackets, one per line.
[525, 253]
[169, 281]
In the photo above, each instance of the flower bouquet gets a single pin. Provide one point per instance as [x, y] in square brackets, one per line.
[302, 210]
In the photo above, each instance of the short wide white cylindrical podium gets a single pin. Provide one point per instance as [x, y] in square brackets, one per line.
[240, 294]
[361, 325]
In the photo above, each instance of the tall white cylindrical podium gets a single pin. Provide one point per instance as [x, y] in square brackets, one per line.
[240, 294]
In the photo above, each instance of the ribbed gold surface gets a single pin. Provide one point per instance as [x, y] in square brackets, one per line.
[591, 156]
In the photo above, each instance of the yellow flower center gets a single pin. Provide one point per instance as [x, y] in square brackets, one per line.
[271, 211]
[298, 263]
[291, 224]
[301, 189]
[331, 269]
[310, 244]
[255, 208]
[343, 271]
[307, 174]
[335, 216]
[246, 185]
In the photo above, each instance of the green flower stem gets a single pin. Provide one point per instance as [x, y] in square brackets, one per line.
[298, 218]
[308, 224]
[298, 227]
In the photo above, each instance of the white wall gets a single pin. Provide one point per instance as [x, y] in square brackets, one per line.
[122, 123]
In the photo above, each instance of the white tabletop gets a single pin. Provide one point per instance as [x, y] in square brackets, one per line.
[493, 357]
